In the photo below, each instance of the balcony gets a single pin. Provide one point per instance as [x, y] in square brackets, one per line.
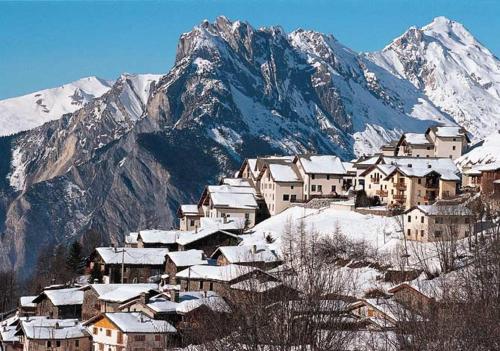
[400, 197]
[375, 180]
[382, 193]
[431, 185]
[400, 186]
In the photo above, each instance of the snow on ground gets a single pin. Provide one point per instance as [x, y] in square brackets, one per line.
[33, 110]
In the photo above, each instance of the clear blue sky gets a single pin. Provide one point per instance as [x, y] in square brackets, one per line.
[45, 44]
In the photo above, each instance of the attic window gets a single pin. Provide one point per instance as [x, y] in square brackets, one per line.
[429, 166]
[409, 165]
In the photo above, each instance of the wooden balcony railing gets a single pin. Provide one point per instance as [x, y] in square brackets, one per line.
[382, 193]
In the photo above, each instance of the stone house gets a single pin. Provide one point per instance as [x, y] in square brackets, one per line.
[386, 311]
[375, 182]
[180, 260]
[98, 298]
[60, 303]
[155, 238]
[130, 331]
[189, 217]
[26, 306]
[206, 240]
[139, 264]
[414, 145]
[322, 175]
[437, 222]
[218, 278]
[53, 334]
[260, 256]
[449, 141]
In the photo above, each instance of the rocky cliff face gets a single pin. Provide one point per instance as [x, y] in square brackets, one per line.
[128, 158]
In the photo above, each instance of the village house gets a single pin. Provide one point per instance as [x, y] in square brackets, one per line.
[138, 264]
[414, 145]
[448, 141]
[251, 169]
[130, 331]
[280, 185]
[489, 179]
[260, 256]
[375, 182]
[386, 312]
[322, 175]
[206, 239]
[189, 217]
[437, 222]
[155, 238]
[26, 306]
[99, 298]
[9, 327]
[53, 334]
[218, 278]
[180, 260]
[227, 201]
[186, 311]
[131, 239]
[60, 303]
[360, 166]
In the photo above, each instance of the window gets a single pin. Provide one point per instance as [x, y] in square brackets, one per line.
[313, 176]
[291, 187]
[409, 232]
[157, 337]
[437, 233]
[467, 220]
[422, 219]
[422, 233]
[58, 343]
[119, 337]
[439, 220]
[211, 286]
[95, 330]
[454, 139]
[409, 219]
[454, 148]
[101, 346]
[140, 337]
[419, 181]
[201, 285]
[334, 188]
[49, 343]
[286, 197]
[191, 222]
[108, 332]
[247, 216]
[293, 198]
[327, 177]
[320, 187]
[313, 187]
[77, 343]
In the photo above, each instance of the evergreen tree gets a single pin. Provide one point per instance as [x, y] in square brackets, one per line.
[74, 259]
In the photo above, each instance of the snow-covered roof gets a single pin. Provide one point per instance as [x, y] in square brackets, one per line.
[8, 334]
[254, 285]
[187, 258]
[189, 237]
[189, 301]
[27, 301]
[284, 173]
[62, 297]
[156, 236]
[225, 188]
[252, 165]
[493, 166]
[349, 167]
[442, 210]
[131, 238]
[53, 329]
[190, 209]
[234, 200]
[420, 167]
[222, 223]
[225, 273]
[321, 164]
[135, 322]
[389, 307]
[126, 292]
[416, 139]
[102, 289]
[247, 253]
[237, 182]
[449, 131]
[133, 256]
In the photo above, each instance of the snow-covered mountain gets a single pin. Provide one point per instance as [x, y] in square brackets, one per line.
[32, 110]
[125, 160]
[454, 70]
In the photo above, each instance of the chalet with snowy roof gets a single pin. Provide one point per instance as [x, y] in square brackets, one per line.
[489, 178]
[140, 265]
[375, 182]
[9, 341]
[187, 311]
[437, 222]
[53, 334]
[388, 312]
[130, 331]
[26, 306]
[180, 260]
[414, 145]
[60, 303]
[322, 175]
[218, 278]
[131, 239]
[155, 238]
[98, 298]
[206, 240]
[449, 141]
[260, 256]
[230, 202]
[189, 217]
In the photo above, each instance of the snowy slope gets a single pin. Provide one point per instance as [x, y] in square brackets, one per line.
[452, 68]
[32, 110]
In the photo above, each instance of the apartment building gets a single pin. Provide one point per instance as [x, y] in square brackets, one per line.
[322, 175]
[437, 222]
